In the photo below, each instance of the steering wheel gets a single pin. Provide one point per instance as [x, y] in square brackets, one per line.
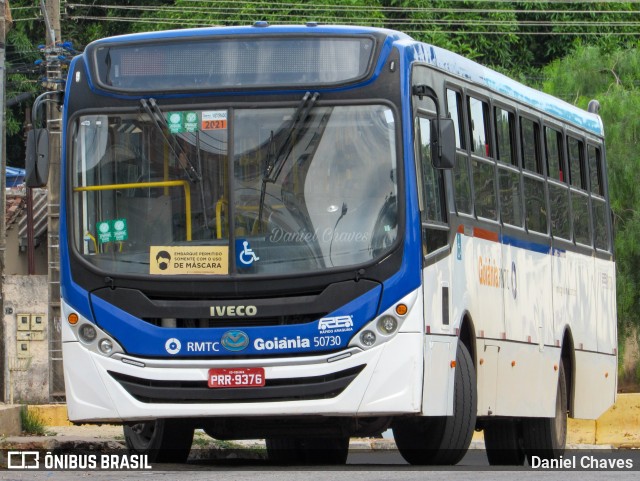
[384, 228]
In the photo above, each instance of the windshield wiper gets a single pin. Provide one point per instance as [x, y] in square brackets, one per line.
[151, 107]
[277, 154]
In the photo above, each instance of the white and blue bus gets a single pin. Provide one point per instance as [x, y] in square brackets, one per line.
[308, 233]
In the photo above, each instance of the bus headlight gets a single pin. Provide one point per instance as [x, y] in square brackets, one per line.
[387, 325]
[368, 338]
[106, 346]
[87, 333]
[93, 337]
[384, 327]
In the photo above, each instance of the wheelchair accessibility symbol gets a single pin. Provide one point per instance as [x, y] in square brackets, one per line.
[244, 253]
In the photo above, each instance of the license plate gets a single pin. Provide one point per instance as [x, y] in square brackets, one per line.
[236, 377]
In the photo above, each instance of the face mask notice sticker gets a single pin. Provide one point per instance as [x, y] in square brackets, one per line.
[176, 260]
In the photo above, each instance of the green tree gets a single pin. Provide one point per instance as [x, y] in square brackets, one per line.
[611, 78]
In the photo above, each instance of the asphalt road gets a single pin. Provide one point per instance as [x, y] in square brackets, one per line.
[362, 465]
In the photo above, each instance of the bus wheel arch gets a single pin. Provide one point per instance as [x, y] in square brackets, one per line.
[568, 359]
[467, 336]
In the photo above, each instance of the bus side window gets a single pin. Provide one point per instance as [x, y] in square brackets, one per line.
[529, 135]
[505, 126]
[553, 148]
[484, 175]
[576, 163]
[509, 187]
[534, 191]
[579, 195]
[478, 123]
[461, 176]
[595, 170]
[435, 230]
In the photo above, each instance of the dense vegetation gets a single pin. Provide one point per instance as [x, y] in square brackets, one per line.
[574, 50]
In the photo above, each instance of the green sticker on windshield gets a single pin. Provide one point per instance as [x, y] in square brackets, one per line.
[180, 122]
[112, 231]
[175, 121]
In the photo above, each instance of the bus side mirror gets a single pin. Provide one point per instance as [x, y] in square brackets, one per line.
[443, 145]
[37, 160]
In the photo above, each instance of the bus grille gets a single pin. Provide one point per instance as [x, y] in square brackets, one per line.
[241, 321]
[292, 389]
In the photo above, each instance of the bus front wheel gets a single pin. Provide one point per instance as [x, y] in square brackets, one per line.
[443, 440]
[162, 440]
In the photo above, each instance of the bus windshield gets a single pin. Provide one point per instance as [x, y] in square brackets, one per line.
[235, 191]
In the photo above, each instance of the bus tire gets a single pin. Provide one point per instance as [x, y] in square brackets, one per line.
[443, 440]
[503, 442]
[546, 437]
[308, 451]
[162, 440]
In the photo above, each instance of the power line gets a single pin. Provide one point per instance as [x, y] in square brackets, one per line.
[199, 23]
[285, 7]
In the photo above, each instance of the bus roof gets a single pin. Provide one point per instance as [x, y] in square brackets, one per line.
[439, 58]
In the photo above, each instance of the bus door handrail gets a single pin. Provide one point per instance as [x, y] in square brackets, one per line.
[165, 183]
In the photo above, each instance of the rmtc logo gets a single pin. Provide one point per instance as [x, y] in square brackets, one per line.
[234, 340]
[173, 346]
[232, 311]
[338, 322]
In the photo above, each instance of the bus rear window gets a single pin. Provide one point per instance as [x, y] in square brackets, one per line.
[232, 62]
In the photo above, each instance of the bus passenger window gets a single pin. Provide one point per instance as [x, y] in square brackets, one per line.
[553, 146]
[535, 205]
[576, 163]
[462, 184]
[581, 226]
[560, 222]
[529, 134]
[479, 116]
[595, 170]
[484, 183]
[600, 225]
[461, 176]
[454, 99]
[510, 197]
[504, 132]
[598, 204]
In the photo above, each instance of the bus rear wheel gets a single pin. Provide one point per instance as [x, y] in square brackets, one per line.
[503, 442]
[443, 440]
[162, 440]
[308, 451]
[546, 438]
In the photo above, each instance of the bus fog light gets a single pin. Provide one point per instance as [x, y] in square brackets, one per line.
[387, 325]
[87, 333]
[106, 346]
[368, 338]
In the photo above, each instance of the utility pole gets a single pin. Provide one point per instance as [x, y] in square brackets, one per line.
[51, 11]
[3, 183]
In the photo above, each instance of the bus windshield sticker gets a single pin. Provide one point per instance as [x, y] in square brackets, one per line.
[112, 231]
[214, 120]
[245, 254]
[181, 122]
[173, 260]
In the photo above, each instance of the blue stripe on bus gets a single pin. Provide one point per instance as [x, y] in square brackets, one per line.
[509, 240]
[525, 244]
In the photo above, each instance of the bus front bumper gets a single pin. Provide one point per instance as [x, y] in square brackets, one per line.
[384, 380]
